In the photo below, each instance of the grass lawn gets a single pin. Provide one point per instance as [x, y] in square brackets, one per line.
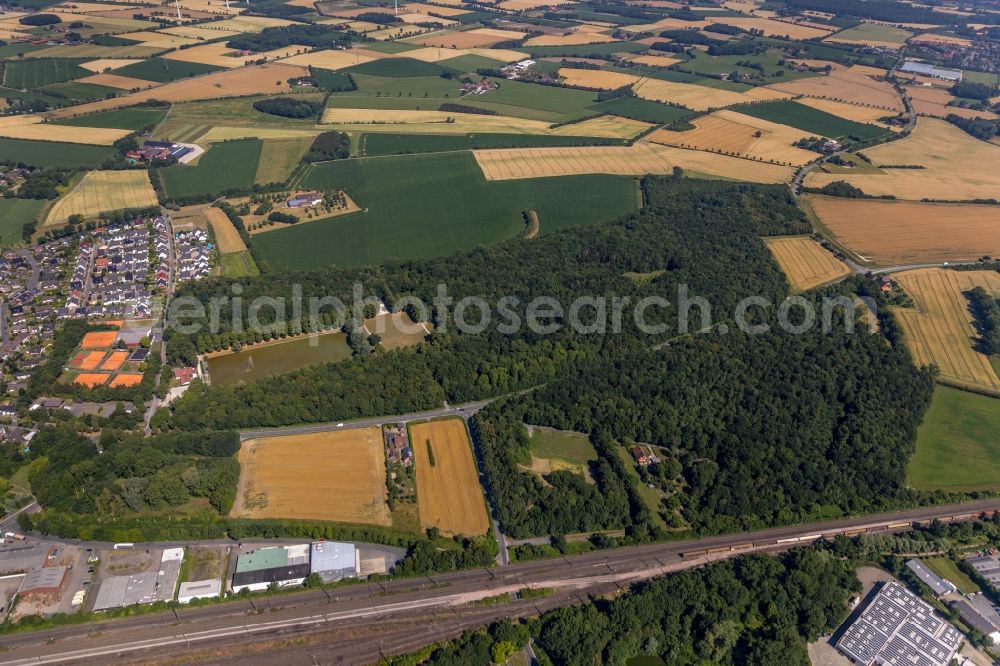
[948, 569]
[162, 70]
[14, 214]
[132, 118]
[42, 72]
[813, 120]
[958, 444]
[569, 446]
[645, 110]
[981, 77]
[225, 166]
[238, 264]
[418, 206]
[53, 154]
[379, 143]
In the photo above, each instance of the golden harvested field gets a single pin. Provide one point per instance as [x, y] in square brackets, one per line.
[101, 64]
[31, 127]
[116, 81]
[447, 12]
[199, 32]
[939, 329]
[737, 134]
[612, 127]
[332, 60]
[448, 492]
[413, 18]
[636, 160]
[890, 233]
[655, 60]
[928, 38]
[269, 78]
[861, 114]
[526, 5]
[464, 39]
[210, 54]
[806, 263]
[97, 51]
[934, 102]
[698, 98]
[433, 54]
[852, 87]
[957, 166]
[226, 235]
[101, 191]
[251, 23]
[161, 40]
[571, 39]
[336, 476]
[770, 27]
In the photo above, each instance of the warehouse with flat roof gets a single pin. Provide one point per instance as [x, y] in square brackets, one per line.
[897, 627]
[938, 585]
[42, 580]
[333, 560]
[282, 565]
[199, 589]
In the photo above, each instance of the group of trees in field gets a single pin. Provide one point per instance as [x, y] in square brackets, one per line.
[331, 145]
[289, 107]
[303, 34]
[981, 128]
[987, 312]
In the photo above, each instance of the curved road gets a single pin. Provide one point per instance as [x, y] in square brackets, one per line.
[359, 623]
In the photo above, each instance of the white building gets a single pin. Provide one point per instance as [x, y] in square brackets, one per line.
[199, 589]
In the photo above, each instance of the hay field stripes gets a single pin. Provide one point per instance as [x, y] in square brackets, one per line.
[940, 330]
[327, 59]
[892, 233]
[850, 87]
[958, 167]
[116, 81]
[859, 114]
[330, 476]
[226, 235]
[257, 79]
[32, 128]
[636, 160]
[279, 157]
[449, 496]
[101, 191]
[806, 263]
[730, 132]
[101, 64]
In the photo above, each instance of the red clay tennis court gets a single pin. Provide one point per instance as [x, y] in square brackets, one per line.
[88, 360]
[115, 360]
[91, 379]
[99, 339]
[125, 380]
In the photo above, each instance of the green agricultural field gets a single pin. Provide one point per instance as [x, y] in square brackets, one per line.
[645, 110]
[14, 214]
[238, 264]
[82, 91]
[188, 120]
[378, 143]
[17, 49]
[419, 206]
[391, 47]
[585, 50]
[812, 120]
[534, 101]
[470, 63]
[948, 569]
[225, 166]
[132, 118]
[572, 447]
[53, 154]
[31, 74]
[875, 32]
[403, 87]
[400, 67]
[981, 77]
[958, 444]
[684, 77]
[703, 63]
[326, 79]
[162, 70]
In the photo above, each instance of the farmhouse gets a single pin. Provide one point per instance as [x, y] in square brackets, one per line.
[281, 565]
[898, 628]
[185, 375]
[915, 67]
[644, 456]
[305, 199]
[939, 585]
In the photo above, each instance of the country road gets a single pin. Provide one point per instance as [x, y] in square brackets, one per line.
[359, 623]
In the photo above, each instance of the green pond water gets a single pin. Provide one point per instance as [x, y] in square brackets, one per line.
[254, 363]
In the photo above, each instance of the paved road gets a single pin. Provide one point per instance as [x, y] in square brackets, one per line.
[463, 410]
[358, 623]
[9, 523]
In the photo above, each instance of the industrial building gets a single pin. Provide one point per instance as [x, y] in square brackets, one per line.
[143, 588]
[20, 556]
[199, 589]
[896, 627]
[977, 611]
[333, 560]
[988, 567]
[927, 69]
[282, 565]
[940, 586]
[42, 580]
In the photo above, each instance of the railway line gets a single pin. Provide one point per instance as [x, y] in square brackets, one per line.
[358, 623]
